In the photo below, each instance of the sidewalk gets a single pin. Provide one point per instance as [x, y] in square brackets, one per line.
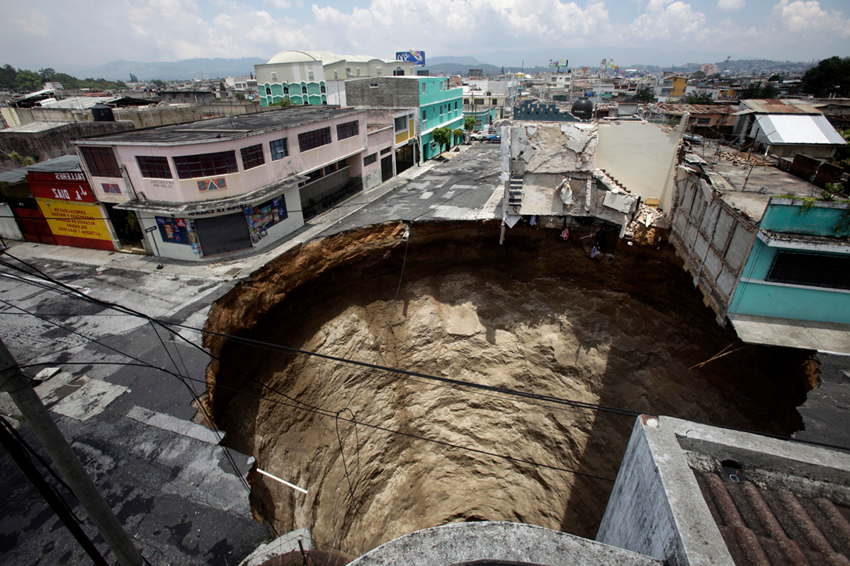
[229, 269]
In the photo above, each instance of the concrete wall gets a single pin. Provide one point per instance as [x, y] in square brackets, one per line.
[53, 142]
[8, 227]
[641, 156]
[497, 542]
[551, 147]
[390, 92]
[378, 140]
[713, 239]
[141, 117]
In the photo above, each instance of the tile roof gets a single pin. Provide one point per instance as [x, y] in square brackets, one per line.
[767, 525]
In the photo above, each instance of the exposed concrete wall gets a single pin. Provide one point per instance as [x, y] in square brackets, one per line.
[52, 143]
[8, 227]
[391, 92]
[539, 147]
[641, 156]
[713, 238]
[142, 117]
[494, 541]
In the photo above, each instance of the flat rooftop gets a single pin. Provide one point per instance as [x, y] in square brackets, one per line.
[218, 129]
[749, 189]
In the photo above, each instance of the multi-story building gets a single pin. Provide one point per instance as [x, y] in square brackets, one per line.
[231, 184]
[318, 77]
[670, 86]
[435, 105]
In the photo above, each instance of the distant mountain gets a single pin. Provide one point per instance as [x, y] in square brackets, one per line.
[459, 60]
[185, 69]
[461, 68]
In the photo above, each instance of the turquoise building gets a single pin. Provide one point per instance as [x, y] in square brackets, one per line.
[439, 106]
[799, 265]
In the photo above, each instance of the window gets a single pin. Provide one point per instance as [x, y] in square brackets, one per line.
[401, 124]
[812, 270]
[378, 71]
[704, 121]
[494, 102]
[303, 89]
[101, 161]
[370, 159]
[441, 109]
[286, 90]
[479, 101]
[322, 89]
[423, 88]
[373, 85]
[206, 165]
[455, 105]
[336, 75]
[347, 130]
[274, 77]
[358, 71]
[154, 167]
[329, 169]
[314, 139]
[268, 91]
[252, 156]
[466, 101]
[386, 150]
[424, 115]
[278, 149]
[310, 76]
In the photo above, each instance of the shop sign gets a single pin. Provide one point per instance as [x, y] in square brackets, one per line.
[69, 186]
[74, 220]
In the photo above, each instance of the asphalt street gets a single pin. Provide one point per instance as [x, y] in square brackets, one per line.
[165, 477]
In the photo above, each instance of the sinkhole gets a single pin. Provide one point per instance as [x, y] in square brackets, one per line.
[537, 314]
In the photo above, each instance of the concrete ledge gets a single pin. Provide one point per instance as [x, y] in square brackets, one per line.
[515, 543]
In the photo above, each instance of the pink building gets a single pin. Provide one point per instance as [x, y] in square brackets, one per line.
[228, 185]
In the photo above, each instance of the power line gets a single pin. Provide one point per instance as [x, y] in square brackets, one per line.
[319, 411]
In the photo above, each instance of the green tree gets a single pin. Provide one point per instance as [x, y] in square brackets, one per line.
[458, 134]
[283, 102]
[27, 81]
[66, 80]
[46, 74]
[645, 94]
[759, 90]
[7, 76]
[239, 96]
[469, 123]
[442, 136]
[158, 83]
[774, 78]
[698, 75]
[830, 76]
[701, 98]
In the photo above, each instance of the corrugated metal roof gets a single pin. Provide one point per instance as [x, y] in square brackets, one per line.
[786, 129]
[775, 106]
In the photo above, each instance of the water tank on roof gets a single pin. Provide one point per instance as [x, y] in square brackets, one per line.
[582, 109]
[102, 113]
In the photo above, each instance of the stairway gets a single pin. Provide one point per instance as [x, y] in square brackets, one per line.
[515, 191]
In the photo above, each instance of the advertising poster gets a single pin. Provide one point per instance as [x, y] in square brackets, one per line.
[261, 218]
[76, 224]
[176, 231]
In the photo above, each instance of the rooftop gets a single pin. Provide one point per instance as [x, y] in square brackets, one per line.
[749, 187]
[794, 129]
[64, 163]
[680, 109]
[775, 106]
[218, 129]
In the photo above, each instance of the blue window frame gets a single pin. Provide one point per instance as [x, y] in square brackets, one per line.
[279, 149]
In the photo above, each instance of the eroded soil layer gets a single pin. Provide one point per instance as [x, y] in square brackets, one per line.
[536, 314]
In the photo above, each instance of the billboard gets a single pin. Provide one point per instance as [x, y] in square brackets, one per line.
[76, 224]
[559, 63]
[415, 57]
[70, 186]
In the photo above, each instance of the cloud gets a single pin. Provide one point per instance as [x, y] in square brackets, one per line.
[666, 20]
[808, 18]
[731, 5]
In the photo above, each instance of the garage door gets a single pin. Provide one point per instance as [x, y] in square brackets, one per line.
[223, 234]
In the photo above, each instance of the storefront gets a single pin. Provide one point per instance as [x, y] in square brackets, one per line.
[69, 207]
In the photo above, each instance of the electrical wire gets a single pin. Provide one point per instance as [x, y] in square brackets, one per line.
[320, 411]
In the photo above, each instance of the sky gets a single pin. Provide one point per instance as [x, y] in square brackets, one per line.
[53, 33]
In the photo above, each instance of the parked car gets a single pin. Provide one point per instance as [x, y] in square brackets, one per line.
[494, 138]
[477, 136]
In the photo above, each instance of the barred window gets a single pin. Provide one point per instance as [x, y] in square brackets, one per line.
[252, 156]
[370, 159]
[314, 139]
[386, 150]
[101, 161]
[812, 270]
[154, 167]
[206, 165]
[278, 149]
[347, 130]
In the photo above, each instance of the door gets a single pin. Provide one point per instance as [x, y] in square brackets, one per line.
[386, 168]
[404, 158]
[31, 221]
[222, 234]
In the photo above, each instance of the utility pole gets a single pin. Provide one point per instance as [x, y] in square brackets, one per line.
[20, 389]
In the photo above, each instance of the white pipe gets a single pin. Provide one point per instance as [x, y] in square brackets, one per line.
[284, 482]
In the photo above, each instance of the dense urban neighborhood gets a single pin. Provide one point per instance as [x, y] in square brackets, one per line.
[320, 308]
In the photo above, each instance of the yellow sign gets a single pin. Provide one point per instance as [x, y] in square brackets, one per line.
[74, 220]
